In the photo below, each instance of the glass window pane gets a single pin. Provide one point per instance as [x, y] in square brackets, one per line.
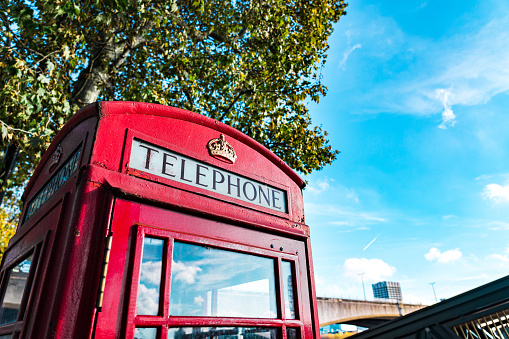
[216, 283]
[11, 303]
[288, 288]
[223, 333]
[145, 333]
[6, 336]
[292, 333]
[149, 293]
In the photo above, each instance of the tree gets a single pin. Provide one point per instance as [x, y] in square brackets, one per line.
[8, 223]
[249, 63]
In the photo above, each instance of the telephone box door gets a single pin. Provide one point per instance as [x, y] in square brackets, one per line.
[180, 274]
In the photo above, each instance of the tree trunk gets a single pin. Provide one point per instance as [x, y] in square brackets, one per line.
[10, 159]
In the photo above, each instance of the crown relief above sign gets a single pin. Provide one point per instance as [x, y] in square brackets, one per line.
[55, 159]
[222, 150]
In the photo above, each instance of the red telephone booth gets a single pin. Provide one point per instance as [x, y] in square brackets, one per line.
[146, 221]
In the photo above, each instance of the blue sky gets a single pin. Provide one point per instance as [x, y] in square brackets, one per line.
[417, 103]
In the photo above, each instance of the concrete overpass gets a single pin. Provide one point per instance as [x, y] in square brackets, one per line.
[360, 312]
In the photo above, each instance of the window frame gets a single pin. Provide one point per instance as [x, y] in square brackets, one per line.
[163, 321]
[14, 328]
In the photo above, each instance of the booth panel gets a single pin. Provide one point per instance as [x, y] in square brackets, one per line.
[29, 274]
[180, 274]
[69, 142]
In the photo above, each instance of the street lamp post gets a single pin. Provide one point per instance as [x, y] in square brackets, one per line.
[363, 290]
[433, 287]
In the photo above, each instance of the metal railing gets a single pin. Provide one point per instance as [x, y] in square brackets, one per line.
[491, 326]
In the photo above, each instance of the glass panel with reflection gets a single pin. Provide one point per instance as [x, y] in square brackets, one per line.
[145, 333]
[288, 290]
[212, 282]
[149, 293]
[223, 333]
[17, 279]
[292, 333]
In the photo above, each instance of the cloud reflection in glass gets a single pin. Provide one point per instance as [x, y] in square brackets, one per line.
[218, 283]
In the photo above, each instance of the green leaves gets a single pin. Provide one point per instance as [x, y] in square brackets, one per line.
[252, 64]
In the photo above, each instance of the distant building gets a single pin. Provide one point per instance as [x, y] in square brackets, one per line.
[387, 290]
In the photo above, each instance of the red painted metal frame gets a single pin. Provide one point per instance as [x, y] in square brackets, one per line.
[168, 226]
[105, 197]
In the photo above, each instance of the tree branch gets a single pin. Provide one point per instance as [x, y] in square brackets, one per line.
[15, 129]
[247, 91]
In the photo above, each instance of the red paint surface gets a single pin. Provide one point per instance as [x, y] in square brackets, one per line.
[104, 196]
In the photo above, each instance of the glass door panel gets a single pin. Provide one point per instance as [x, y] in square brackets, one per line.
[212, 282]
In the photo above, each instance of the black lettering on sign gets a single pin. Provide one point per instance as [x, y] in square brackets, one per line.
[230, 186]
[165, 163]
[53, 185]
[183, 171]
[199, 174]
[274, 199]
[149, 154]
[261, 193]
[214, 178]
[245, 191]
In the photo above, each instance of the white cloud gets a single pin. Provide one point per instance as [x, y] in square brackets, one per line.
[151, 272]
[199, 300]
[148, 300]
[373, 269]
[319, 187]
[185, 273]
[496, 192]
[445, 257]
[448, 117]
[417, 299]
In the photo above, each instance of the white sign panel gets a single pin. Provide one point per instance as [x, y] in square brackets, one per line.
[170, 165]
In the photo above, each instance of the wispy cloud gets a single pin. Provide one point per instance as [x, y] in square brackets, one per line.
[434, 254]
[503, 258]
[424, 4]
[448, 116]
[347, 53]
[498, 225]
[475, 66]
[503, 176]
[319, 186]
[345, 216]
[326, 185]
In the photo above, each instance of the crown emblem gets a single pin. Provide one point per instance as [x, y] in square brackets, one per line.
[222, 150]
[55, 158]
